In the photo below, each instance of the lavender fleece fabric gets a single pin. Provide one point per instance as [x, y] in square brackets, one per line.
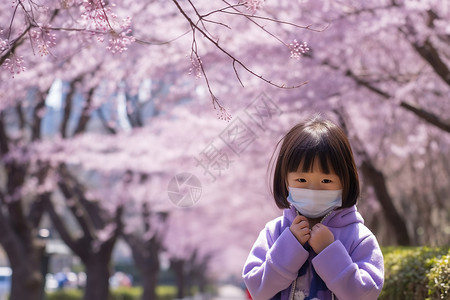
[351, 267]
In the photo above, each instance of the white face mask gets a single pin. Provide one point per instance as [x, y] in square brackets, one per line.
[314, 203]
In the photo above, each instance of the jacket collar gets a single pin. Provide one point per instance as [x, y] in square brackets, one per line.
[336, 218]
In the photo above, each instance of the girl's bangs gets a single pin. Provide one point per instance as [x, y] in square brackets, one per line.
[306, 157]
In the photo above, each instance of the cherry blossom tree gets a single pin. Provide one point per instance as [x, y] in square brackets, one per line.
[100, 232]
[145, 243]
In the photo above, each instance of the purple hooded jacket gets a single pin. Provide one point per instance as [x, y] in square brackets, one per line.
[350, 268]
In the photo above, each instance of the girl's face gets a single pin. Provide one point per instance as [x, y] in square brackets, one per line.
[315, 180]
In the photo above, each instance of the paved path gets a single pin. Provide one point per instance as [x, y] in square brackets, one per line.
[230, 292]
[224, 292]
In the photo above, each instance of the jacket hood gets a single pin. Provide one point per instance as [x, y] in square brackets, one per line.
[337, 218]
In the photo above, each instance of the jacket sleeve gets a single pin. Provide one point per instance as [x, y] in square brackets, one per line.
[273, 265]
[358, 275]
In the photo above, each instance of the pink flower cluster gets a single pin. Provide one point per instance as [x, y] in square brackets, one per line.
[4, 44]
[252, 5]
[297, 49]
[14, 64]
[223, 114]
[101, 19]
[196, 66]
[95, 12]
[43, 39]
[119, 41]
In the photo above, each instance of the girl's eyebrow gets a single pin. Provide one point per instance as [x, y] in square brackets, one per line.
[324, 174]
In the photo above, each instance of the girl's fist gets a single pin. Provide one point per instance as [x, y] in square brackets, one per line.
[300, 229]
[321, 237]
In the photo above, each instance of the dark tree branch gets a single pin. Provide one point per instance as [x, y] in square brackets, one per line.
[64, 233]
[37, 207]
[376, 178]
[85, 113]
[4, 139]
[21, 116]
[430, 54]
[8, 240]
[68, 105]
[109, 244]
[424, 115]
[426, 49]
[105, 123]
[427, 116]
[37, 115]
[205, 34]
[67, 188]
[15, 180]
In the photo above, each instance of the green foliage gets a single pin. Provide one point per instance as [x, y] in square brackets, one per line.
[166, 292]
[416, 273]
[439, 278]
[68, 294]
[163, 292]
[127, 293]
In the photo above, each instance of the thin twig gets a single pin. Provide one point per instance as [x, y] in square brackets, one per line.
[234, 59]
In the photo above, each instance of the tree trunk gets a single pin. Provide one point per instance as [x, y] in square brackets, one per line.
[177, 266]
[149, 283]
[146, 259]
[147, 262]
[97, 277]
[146, 250]
[17, 236]
[25, 258]
[27, 280]
[94, 251]
[376, 178]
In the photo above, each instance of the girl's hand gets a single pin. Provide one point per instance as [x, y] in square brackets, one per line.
[300, 229]
[321, 237]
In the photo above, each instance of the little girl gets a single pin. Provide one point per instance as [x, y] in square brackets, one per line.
[319, 248]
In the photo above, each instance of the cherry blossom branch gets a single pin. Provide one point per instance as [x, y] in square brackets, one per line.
[9, 47]
[200, 19]
[95, 11]
[43, 39]
[67, 187]
[197, 67]
[423, 114]
[274, 20]
[63, 231]
[270, 19]
[195, 27]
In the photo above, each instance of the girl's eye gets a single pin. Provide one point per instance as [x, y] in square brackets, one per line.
[326, 181]
[301, 180]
